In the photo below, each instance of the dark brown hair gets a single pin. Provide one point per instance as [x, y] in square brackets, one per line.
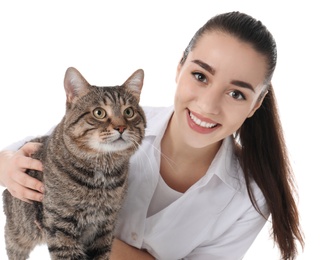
[262, 151]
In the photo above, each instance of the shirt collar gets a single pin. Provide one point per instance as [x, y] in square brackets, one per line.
[226, 166]
[158, 119]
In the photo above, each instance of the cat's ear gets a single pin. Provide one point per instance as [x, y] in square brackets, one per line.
[135, 83]
[75, 85]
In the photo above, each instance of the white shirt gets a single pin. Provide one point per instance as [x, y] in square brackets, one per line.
[213, 219]
[162, 197]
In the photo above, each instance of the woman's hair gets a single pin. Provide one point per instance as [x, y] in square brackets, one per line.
[263, 155]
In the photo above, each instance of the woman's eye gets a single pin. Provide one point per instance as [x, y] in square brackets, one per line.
[237, 95]
[200, 77]
[129, 112]
[99, 113]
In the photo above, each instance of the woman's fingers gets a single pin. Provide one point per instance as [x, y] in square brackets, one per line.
[28, 182]
[26, 194]
[30, 148]
[21, 161]
[18, 183]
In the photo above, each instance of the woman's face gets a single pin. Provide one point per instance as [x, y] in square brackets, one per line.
[218, 87]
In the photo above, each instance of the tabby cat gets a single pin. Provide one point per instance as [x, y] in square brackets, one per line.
[85, 162]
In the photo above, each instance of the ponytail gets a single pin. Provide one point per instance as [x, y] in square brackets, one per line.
[263, 157]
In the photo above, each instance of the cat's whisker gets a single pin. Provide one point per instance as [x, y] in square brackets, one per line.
[168, 160]
[171, 163]
[148, 158]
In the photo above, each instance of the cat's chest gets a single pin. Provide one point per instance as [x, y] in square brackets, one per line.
[83, 188]
[100, 177]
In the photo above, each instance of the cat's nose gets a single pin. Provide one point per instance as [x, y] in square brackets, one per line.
[120, 129]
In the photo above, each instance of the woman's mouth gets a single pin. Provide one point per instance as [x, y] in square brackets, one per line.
[201, 124]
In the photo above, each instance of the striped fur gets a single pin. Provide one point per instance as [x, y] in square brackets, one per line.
[85, 163]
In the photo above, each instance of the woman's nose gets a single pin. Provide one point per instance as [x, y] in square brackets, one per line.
[210, 101]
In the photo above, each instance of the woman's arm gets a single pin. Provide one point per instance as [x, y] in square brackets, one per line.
[12, 173]
[123, 251]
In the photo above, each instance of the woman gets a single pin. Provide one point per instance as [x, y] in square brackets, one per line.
[213, 167]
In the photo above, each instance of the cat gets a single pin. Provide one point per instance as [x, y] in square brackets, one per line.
[85, 166]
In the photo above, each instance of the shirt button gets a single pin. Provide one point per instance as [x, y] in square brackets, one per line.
[134, 236]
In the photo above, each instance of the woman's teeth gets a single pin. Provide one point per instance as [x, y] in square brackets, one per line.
[200, 122]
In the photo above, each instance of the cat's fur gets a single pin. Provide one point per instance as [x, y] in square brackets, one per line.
[85, 165]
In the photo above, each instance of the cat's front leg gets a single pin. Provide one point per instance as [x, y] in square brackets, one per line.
[21, 232]
[100, 247]
[63, 245]
[19, 246]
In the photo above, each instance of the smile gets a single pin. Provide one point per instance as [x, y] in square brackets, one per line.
[201, 123]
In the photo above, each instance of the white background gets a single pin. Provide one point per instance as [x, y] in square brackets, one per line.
[108, 40]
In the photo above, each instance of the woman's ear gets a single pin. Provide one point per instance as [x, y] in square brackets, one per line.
[178, 69]
[258, 104]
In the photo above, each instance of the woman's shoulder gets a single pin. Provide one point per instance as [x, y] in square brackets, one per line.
[154, 113]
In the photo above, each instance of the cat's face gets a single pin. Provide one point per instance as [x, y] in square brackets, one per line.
[104, 119]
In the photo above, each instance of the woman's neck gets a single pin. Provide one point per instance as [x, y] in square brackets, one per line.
[183, 165]
[175, 147]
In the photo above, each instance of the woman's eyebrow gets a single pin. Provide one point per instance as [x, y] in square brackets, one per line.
[212, 71]
[205, 66]
[242, 84]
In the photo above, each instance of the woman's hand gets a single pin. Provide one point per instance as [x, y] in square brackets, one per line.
[123, 251]
[12, 173]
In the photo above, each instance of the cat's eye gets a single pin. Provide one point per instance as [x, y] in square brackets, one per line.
[99, 113]
[129, 112]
